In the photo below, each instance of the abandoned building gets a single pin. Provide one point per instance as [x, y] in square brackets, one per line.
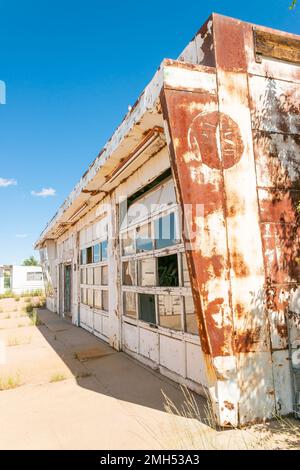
[180, 244]
[21, 279]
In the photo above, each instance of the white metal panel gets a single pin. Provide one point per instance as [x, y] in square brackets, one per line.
[282, 382]
[149, 344]
[130, 337]
[90, 318]
[195, 363]
[256, 385]
[172, 354]
[105, 326]
[98, 322]
[83, 315]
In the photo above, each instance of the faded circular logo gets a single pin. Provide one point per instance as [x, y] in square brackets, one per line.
[207, 131]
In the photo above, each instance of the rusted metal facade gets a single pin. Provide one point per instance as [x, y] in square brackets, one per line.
[230, 107]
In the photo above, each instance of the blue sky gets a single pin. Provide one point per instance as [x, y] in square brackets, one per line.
[71, 69]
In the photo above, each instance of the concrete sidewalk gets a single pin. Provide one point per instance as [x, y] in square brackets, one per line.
[107, 402]
[72, 391]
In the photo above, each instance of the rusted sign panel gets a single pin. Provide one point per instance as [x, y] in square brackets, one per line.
[193, 120]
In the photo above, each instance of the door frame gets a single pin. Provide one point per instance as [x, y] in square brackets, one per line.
[68, 266]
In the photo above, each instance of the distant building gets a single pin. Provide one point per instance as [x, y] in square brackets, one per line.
[213, 142]
[20, 279]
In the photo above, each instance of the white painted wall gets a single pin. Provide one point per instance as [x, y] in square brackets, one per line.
[20, 282]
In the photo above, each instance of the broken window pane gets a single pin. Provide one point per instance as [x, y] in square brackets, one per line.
[147, 308]
[89, 255]
[185, 272]
[168, 271]
[147, 272]
[104, 275]
[169, 308]
[190, 316]
[97, 253]
[128, 244]
[97, 298]
[130, 304]
[105, 300]
[165, 231]
[97, 278]
[143, 238]
[90, 276]
[83, 257]
[129, 273]
[90, 299]
[104, 250]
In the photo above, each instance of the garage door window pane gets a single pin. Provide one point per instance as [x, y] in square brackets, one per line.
[147, 271]
[165, 231]
[129, 273]
[97, 254]
[147, 308]
[128, 244]
[97, 299]
[104, 275]
[83, 296]
[90, 297]
[169, 307]
[90, 275]
[185, 272]
[97, 279]
[104, 251]
[168, 271]
[130, 304]
[105, 300]
[190, 316]
[83, 257]
[144, 240]
[83, 276]
[89, 255]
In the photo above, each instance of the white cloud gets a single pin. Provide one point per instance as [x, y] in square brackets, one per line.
[45, 192]
[21, 235]
[7, 182]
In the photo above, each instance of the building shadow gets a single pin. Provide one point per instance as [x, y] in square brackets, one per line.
[116, 374]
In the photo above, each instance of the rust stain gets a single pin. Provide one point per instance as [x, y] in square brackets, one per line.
[246, 340]
[228, 405]
[239, 310]
[282, 330]
[239, 266]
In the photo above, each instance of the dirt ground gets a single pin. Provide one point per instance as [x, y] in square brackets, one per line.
[62, 388]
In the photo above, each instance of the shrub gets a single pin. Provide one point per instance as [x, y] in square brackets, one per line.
[29, 308]
[7, 295]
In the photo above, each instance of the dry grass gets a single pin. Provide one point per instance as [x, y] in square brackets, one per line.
[57, 378]
[9, 382]
[195, 427]
[17, 341]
